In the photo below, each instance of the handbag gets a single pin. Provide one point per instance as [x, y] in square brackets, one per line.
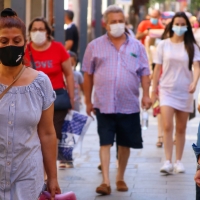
[66, 196]
[74, 129]
[10, 86]
[62, 101]
[45, 195]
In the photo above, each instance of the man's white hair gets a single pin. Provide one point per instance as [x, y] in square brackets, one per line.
[112, 9]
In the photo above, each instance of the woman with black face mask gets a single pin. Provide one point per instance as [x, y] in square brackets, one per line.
[27, 134]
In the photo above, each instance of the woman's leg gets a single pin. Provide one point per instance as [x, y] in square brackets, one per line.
[167, 114]
[160, 126]
[160, 131]
[181, 124]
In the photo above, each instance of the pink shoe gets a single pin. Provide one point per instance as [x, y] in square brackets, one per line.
[66, 196]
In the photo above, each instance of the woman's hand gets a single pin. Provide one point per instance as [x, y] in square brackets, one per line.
[154, 97]
[72, 103]
[199, 108]
[192, 87]
[53, 188]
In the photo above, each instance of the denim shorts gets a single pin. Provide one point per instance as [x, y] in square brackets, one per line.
[126, 128]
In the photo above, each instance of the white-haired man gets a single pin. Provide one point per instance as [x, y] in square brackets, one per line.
[115, 64]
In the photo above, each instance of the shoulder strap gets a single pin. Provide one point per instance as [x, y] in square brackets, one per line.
[10, 86]
[31, 56]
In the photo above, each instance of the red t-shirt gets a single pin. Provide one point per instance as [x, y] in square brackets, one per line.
[144, 25]
[50, 62]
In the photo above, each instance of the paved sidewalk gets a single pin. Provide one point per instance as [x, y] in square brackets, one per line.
[142, 175]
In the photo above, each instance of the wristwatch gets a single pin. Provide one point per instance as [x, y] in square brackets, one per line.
[198, 166]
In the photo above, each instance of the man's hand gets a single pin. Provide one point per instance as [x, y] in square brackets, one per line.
[197, 178]
[146, 102]
[89, 109]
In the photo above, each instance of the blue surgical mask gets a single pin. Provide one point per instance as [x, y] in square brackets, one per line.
[179, 30]
[154, 21]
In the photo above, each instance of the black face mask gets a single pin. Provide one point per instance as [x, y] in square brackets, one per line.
[11, 55]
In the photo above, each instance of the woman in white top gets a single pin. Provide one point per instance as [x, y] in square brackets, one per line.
[179, 57]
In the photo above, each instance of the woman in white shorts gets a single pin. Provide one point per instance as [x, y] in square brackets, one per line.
[179, 57]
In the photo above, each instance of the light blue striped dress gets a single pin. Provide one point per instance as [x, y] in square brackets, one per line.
[21, 161]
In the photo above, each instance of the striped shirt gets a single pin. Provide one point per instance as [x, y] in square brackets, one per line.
[117, 74]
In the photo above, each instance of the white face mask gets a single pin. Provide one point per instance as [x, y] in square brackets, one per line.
[117, 30]
[38, 37]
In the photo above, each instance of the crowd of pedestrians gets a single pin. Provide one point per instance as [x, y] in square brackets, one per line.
[38, 75]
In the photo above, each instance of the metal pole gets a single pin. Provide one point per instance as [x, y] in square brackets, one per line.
[98, 16]
[1, 5]
[83, 28]
[59, 21]
[20, 7]
[110, 2]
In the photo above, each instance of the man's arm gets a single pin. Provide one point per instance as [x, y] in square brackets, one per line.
[69, 39]
[88, 86]
[69, 44]
[140, 35]
[146, 101]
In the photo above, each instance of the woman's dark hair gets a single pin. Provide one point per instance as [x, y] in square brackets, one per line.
[165, 35]
[189, 39]
[46, 24]
[9, 19]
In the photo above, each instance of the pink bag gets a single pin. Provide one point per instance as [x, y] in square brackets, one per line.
[66, 196]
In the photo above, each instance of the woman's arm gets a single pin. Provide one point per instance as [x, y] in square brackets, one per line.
[48, 141]
[196, 71]
[67, 69]
[156, 76]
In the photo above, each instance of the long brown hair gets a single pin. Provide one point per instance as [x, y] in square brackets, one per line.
[189, 39]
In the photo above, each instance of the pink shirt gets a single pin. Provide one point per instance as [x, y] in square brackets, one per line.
[117, 74]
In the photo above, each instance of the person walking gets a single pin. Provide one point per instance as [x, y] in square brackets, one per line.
[196, 148]
[114, 64]
[78, 81]
[71, 33]
[178, 56]
[146, 25]
[27, 134]
[51, 58]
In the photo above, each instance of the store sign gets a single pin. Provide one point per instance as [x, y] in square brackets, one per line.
[124, 1]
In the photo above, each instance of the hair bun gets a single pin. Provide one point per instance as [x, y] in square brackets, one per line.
[8, 12]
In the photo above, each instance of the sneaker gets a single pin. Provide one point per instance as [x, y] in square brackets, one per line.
[167, 167]
[178, 167]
